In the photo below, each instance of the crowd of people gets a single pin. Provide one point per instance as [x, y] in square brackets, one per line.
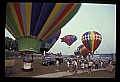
[88, 65]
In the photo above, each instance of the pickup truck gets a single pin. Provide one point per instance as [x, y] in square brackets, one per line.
[49, 61]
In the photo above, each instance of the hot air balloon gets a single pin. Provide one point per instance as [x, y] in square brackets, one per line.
[69, 39]
[79, 47]
[46, 45]
[77, 52]
[32, 23]
[91, 40]
[83, 51]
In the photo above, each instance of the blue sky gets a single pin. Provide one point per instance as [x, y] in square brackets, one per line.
[90, 17]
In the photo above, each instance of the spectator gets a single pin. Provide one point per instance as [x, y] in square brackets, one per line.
[75, 66]
[96, 64]
[90, 63]
[82, 66]
[57, 65]
[110, 66]
[68, 65]
[101, 64]
[86, 65]
[71, 65]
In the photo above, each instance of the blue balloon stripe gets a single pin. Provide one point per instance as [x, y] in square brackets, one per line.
[23, 10]
[45, 12]
[56, 16]
[36, 9]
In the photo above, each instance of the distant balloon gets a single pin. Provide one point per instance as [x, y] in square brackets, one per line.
[91, 40]
[78, 48]
[83, 50]
[69, 39]
[77, 52]
[32, 23]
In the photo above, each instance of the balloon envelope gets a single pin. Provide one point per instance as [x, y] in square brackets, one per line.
[69, 39]
[91, 40]
[83, 50]
[77, 52]
[32, 23]
[46, 45]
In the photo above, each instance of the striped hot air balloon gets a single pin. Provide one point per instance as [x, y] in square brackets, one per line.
[32, 23]
[91, 40]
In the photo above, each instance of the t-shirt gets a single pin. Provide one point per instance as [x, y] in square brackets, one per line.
[90, 63]
[57, 62]
[68, 63]
[82, 65]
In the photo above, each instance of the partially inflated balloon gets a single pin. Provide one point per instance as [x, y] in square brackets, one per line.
[83, 50]
[91, 40]
[77, 52]
[46, 45]
[69, 39]
[32, 23]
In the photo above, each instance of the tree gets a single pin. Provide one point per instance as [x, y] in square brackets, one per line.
[11, 44]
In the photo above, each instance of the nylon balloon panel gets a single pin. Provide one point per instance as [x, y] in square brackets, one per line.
[51, 41]
[38, 19]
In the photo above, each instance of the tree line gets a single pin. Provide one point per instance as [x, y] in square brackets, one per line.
[11, 44]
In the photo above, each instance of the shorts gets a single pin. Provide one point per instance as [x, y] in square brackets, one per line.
[82, 67]
[86, 65]
[89, 66]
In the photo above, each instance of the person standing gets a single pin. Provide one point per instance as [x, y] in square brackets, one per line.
[86, 65]
[90, 63]
[75, 66]
[110, 66]
[68, 66]
[82, 66]
[101, 64]
[96, 64]
[57, 65]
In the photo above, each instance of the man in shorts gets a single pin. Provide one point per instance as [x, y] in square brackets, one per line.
[90, 63]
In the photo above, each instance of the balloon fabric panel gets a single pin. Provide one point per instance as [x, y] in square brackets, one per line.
[51, 41]
[36, 9]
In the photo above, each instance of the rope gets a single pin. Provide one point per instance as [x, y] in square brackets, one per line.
[101, 31]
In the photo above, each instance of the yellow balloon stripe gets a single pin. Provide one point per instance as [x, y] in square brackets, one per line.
[11, 27]
[28, 16]
[8, 28]
[53, 13]
[92, 39]
[15, 17]
[59, 21]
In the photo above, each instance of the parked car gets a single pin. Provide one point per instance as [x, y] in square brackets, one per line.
[49, 61]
